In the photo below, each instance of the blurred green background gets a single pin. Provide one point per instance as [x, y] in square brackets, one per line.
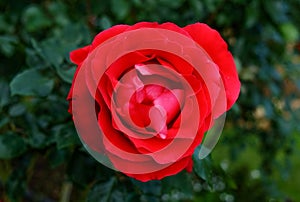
[41, 158]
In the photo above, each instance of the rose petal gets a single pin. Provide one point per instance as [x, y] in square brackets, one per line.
[107, 34]
[78, 56]
[168, 171]
[170, 102]
[216, 47]
[114, 136]
[114, 73]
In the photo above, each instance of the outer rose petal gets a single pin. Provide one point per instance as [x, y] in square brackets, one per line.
[167, 25]
[78, 56]
[107, 34]
[216, 47]
[185, 163]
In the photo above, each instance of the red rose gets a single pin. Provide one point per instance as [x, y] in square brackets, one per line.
[144, 95]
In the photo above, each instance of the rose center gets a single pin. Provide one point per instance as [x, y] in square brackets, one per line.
[153, 106]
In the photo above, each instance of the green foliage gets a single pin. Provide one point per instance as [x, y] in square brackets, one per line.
[11, 145]
[30, 82]
[257, 157]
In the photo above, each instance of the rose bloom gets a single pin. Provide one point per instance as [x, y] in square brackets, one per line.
[147, 100]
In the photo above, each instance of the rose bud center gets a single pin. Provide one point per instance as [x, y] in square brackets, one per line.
[154, 107]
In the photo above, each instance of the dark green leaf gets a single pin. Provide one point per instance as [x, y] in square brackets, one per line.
[58, 10]
[16, 184]
[120, 8]
[4, 94]
[35, 19]
[66, 73]
[4, 121]
[118, 195]
[105, 22]
[151, 187]
[34, 60]
[181, 182]
[202, 167]
[38, 140]
[277, 11]
[82, 169]
[171, 3]
[101, 192]
[5, 26]
[147, 198]
[51, 51]
[31, 82]
[65, 136]
[11, 145]
[17, 110]
[7, 45]
[57, 157]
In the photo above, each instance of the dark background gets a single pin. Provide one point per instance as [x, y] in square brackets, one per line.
[41, 158]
